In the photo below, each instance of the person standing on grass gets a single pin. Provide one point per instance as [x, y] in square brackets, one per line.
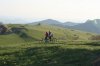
[46, 36]
[50, 35]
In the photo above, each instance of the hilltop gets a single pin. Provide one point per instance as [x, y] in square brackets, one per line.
[54, 23]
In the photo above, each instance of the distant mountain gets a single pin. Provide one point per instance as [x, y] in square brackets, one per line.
[70, 24]
[89, 26]
[54, 22]
[48, 22]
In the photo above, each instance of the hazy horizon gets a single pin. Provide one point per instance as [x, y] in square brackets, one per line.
[61, 10]
[19, 20]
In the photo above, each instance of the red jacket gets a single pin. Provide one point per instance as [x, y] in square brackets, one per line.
[46, 34]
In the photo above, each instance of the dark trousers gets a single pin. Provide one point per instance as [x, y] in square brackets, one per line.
[50, 38]
[46, 39]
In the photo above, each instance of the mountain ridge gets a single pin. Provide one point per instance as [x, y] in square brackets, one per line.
[89, 26]
[54, 22]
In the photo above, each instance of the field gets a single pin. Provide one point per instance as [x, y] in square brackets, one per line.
[59, 54]
[18, 51]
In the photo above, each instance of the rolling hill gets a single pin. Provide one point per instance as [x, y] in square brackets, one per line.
[48, 22]
[37, 32]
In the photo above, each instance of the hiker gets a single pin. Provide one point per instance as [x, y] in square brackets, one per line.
[50, 35]
[3, 29]
[46, 36]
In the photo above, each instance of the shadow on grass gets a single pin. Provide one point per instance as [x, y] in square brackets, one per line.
[90, 43]
[50, 56]
[6, 33]
[25, 36]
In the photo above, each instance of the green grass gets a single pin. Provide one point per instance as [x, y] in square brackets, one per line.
[34, 54]
[10, 39]
[18, 51]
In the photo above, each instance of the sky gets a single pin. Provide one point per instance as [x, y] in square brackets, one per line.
[62, 10]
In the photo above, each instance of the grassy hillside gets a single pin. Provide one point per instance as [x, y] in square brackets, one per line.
[60, 33]
[37, 32]
[20, 51]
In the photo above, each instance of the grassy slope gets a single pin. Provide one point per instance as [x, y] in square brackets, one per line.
[37, 32]
[60, 33]
[10, 39]
[14, 51]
